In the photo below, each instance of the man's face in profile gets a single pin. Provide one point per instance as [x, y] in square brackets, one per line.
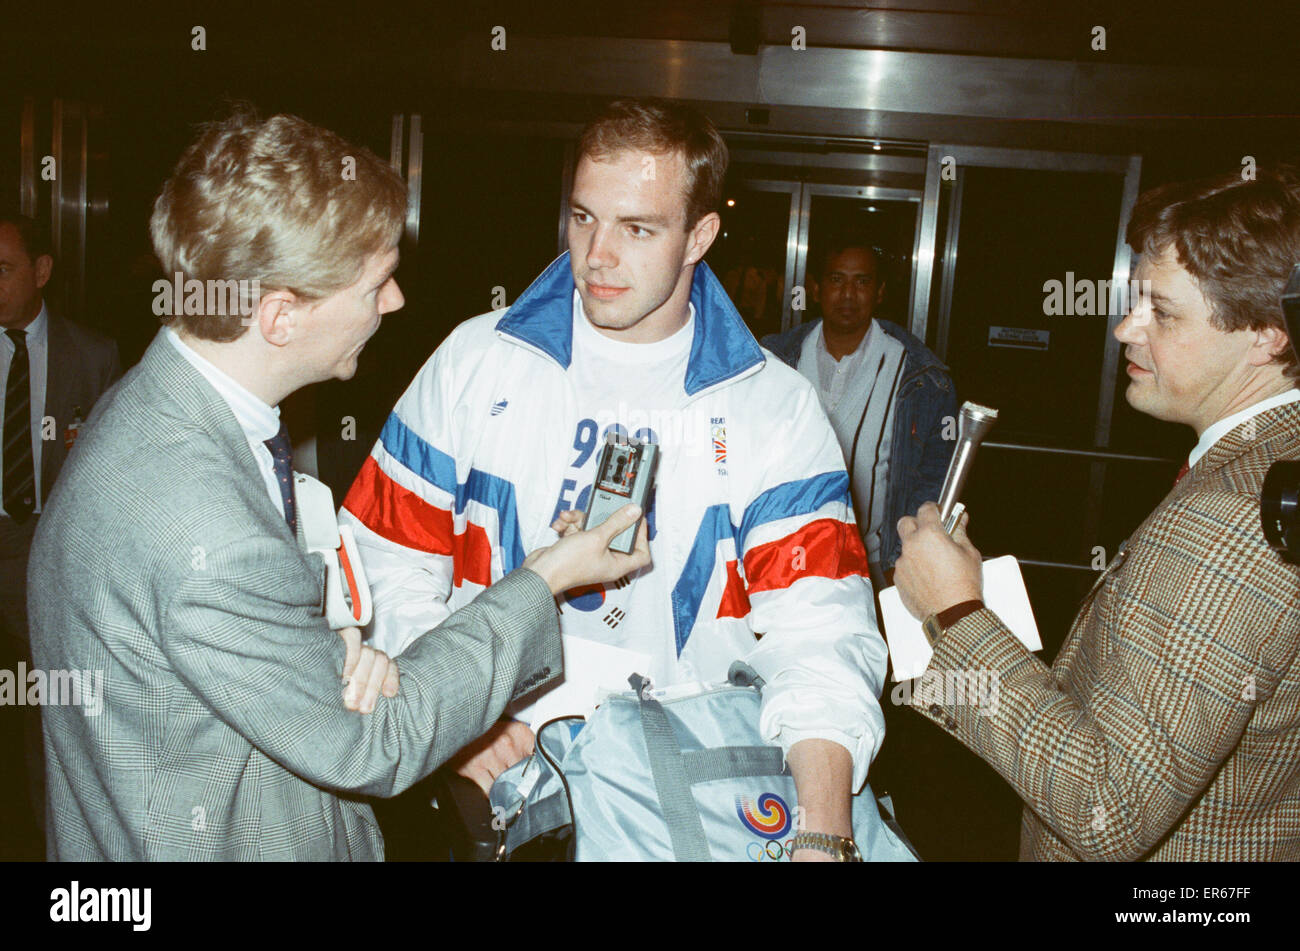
[850, 289]
[21, 280]
[628, 241]
[339, 326]
[1181, 368]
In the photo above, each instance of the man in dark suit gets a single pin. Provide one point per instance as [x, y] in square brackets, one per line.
[53, 371]
[170, 564]
[1169, 726]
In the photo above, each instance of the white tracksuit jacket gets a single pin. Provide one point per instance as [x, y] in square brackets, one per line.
[755, 529]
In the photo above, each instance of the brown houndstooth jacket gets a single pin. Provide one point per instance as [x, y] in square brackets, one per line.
[1169, 726]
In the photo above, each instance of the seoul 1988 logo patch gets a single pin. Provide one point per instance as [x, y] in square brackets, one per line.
[768, 818]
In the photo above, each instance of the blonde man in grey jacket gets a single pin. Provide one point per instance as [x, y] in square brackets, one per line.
[168, 572]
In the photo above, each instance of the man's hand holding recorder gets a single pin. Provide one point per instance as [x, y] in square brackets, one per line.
[578, 558]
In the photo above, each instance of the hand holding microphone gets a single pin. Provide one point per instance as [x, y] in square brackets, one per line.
[939, 566]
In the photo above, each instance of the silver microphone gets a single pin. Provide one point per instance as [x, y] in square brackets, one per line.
[972, 426]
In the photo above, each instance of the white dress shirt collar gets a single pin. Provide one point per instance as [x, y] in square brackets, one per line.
[259, 421]
[854, 357]
[1224, 426]
[39, 328]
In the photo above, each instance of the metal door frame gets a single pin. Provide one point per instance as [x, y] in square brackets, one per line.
[77, 194]
[794, 228]
[800, 223]
[406, 156]
[1127, 166]
[811, 190]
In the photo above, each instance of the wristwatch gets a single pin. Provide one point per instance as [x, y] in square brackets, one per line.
[844, 850]
[936, 624]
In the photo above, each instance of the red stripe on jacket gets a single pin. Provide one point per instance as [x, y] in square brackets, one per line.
[397, 514]
[735, 602]
[826, 548]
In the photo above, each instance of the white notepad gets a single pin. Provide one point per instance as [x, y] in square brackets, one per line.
[1004, 595]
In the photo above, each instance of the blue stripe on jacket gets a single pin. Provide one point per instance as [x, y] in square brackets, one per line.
[439, 469]
[800, 497]
[688, 593]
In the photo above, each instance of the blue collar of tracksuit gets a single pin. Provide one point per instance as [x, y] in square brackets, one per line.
[722, 348]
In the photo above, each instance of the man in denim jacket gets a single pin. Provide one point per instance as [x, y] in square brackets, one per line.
[887, 396]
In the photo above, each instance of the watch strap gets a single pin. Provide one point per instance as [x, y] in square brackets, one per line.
[950, 616]
[934, 625]
[843, 849]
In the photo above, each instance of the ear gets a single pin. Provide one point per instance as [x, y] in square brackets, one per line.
[702, 237]
[880, 293]
[815, 286]
[43, 267]
[276, 318]
[1271, 344]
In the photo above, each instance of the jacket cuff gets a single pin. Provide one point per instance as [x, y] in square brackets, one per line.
[531, 608]
[961, 682]
[533, 595]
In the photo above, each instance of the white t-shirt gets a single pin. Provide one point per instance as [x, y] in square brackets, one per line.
[639, 387]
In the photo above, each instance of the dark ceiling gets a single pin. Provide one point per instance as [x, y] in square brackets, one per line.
[400, 33]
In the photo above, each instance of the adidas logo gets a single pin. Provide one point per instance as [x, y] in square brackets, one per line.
[500, 407]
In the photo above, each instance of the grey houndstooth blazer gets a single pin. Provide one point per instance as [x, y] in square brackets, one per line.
[161, 562]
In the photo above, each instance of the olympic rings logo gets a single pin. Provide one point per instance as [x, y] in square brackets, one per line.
[758, 851]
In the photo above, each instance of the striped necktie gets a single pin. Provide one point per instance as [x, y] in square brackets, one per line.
[19, 477]
[282, 459]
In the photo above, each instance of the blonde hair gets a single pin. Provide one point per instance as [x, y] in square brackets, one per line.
[278, 201]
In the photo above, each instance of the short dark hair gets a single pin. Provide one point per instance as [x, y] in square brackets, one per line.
[34, 234]
[658, 126]
[841, 242]
[1238, 238]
